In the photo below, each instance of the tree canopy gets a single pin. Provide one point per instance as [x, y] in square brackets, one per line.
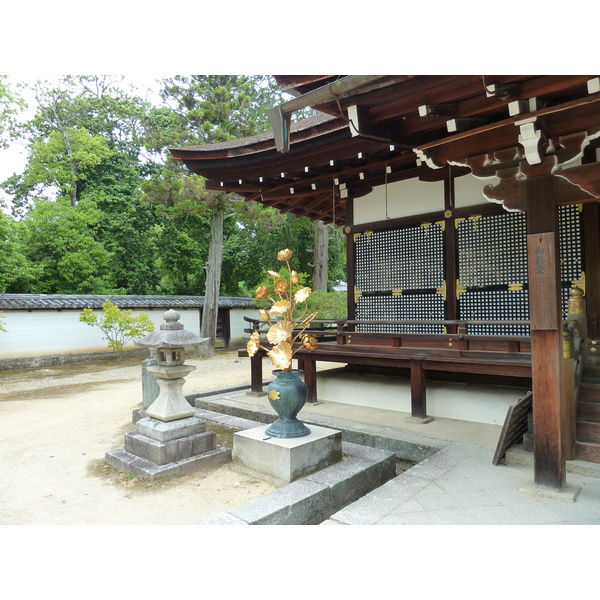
[101, 207]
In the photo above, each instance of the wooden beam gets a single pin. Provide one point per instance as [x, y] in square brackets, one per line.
[565, 119]
[455, 125]
[437, 110]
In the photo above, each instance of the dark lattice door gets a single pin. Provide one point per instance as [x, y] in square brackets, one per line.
[400, 276]
[492, 268]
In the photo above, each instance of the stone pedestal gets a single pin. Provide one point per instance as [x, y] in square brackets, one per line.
[150, 389]
[170, 405]
[283, 460]
[160, 449]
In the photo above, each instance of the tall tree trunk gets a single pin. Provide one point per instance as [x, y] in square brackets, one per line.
[72, 166]
[321, 256]
[210, 312]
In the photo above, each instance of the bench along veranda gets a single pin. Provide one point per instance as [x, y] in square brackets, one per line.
[506, 358]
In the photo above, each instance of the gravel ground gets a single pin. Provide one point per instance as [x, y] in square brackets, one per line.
[56, 425]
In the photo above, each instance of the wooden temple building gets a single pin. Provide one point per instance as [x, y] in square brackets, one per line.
[470, 205]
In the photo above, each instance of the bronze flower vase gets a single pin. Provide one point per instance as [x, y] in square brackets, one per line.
[287, 395]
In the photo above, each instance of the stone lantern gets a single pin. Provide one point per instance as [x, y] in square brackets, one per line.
[170, 439]
[170, 342]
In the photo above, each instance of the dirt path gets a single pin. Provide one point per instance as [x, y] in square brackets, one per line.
[55, 426]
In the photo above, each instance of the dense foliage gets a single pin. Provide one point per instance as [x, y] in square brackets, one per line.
[100, 206]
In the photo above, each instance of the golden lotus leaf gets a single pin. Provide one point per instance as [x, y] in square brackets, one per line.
[264, 315]
[253, 344]
[309, 342]
[281, 355]
[284, 254]
[302, 294]
[281, 286]
[274, 395]
[280, 307]
[280, 332]
[262, 292]
[295, 277]
[274, 274]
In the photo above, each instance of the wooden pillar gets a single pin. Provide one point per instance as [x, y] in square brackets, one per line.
[450, 254]
[310, 378]
[418, 390]
[350, 261]
[546, 334]
[256, 374]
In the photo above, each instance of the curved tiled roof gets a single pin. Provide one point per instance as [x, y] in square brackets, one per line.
[80, 301]
[264, 141]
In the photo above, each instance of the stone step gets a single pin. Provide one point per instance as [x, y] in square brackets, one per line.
[144, 469]
[313, 499]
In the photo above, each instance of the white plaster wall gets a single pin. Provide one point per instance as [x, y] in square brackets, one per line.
[404, 199]
[42, 332]
[237, 325]
[468, 190]
[414, 197]
[477, 403]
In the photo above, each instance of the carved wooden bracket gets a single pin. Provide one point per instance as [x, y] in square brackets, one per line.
[556, 158]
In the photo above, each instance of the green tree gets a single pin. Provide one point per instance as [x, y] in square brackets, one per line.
[60, 162]
[118, 326]
[11, 103]
[17, 271]
[61, 240]
[207, 109]
[84, 145]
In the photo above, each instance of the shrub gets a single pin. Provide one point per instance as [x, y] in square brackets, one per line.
[119, 326]
[331, 305]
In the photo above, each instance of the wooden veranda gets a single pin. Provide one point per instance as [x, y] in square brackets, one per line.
[532, 142]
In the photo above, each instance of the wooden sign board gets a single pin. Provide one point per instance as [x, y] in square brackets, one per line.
[543, 281]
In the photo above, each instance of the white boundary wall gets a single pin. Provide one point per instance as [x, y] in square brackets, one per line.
[51, 332]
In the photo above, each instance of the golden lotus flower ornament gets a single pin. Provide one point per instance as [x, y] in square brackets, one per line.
[285, 328]
[262, 292]
[279, 332]
[281, 286]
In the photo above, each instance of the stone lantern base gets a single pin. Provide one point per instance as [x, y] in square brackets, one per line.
[161, 450]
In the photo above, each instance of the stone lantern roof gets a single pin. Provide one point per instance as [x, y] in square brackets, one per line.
[171, 334]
